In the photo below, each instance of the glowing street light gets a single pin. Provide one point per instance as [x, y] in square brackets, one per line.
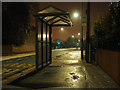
[44, 35]
[78, 33]
[75, 15]
[62, 29]
[72, 36]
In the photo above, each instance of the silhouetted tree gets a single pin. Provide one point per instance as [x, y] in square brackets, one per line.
[115, 14]
[16, 21]
[71, 42]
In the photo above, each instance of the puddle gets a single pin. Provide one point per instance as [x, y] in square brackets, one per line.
[72, 73]
[75, 77]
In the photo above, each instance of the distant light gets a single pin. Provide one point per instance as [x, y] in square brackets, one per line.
[75, 61]
[39, 35]
[62, 29]
[58, 43]
[44, 35]
[72, 36]
[79, 40]
[77, 43]
[75, 14]
[78, 33]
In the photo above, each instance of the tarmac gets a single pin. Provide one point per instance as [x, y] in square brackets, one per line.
[65, 72]
[7, 57]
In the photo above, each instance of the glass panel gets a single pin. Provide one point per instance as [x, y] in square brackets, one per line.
[44, 52]
[39, 30]
[39, 54]
[48, 52]
[44, 32]
[48, 34]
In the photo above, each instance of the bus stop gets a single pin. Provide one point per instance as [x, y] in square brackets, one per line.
[46, 19]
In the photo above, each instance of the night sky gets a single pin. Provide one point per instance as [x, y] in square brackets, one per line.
[97, 9]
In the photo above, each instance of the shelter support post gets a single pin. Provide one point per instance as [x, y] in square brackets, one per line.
[81, 31]
[88, 33]
[42, 40]
[46, 43]
[50, 41]
[36, 27]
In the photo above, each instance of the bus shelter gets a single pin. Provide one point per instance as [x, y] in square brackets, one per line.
[46, 19]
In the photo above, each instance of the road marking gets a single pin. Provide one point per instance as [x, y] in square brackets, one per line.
[10, 72]
[28, 69]
[16, 75]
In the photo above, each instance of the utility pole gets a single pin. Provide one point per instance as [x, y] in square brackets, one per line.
[81, 30]
[88, 34]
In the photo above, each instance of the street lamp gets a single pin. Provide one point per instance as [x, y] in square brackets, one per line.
[75, 15]
[78, 34]
[62, 29]
[72, 36]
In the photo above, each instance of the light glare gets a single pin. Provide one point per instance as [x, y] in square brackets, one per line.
[62, 29]
[44, 35]
[75, 14]
[78, 33]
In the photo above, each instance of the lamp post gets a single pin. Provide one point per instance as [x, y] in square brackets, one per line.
[88, 34]
[81, 31]
[81, 38]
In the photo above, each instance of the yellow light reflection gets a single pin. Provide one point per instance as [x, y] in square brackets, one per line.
[44, 35]
[75, 61]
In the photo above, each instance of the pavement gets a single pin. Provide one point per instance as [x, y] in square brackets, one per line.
[66, 71]
[18, 65]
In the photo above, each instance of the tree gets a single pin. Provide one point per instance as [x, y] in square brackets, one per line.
[17, 21]
[114, 10]
[99, 29]
[107, 28]
[71, 42]
[15, 18]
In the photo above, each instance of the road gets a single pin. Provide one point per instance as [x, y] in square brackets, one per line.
[15, 65]
[66, 71]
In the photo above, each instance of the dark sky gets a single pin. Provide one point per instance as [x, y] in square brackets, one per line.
[97, 9]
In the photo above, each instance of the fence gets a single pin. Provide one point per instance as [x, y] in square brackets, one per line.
[109, 61]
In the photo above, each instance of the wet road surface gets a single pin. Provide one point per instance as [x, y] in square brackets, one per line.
[67, 71]
[17, 65]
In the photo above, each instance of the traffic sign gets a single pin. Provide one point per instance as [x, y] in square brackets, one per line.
[84, 21]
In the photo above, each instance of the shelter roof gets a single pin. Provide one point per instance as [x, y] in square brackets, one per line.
[54, 16]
